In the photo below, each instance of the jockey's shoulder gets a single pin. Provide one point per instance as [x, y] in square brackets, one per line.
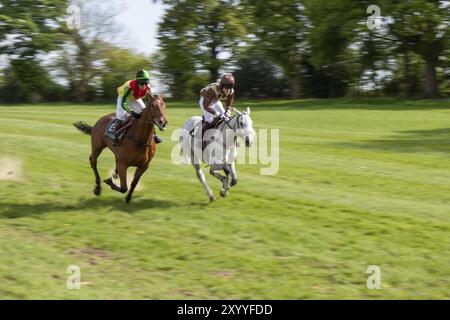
[121, 90]
[212, 88]
[128, 82]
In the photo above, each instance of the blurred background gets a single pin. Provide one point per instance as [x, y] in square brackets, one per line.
[82, 51]
[358, 92]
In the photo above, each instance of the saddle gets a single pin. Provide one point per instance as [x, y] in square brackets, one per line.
[214, 125]
[121, 133]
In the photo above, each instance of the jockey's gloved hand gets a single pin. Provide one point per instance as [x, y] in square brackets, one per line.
[224, 116]
[135, 115]
[228, 113]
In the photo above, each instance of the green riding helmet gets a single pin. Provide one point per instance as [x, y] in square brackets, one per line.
[143, 77]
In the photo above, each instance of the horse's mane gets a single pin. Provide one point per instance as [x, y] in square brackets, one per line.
[152, 98]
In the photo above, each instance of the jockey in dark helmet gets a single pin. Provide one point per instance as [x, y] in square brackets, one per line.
[210, 100]
[129, 101]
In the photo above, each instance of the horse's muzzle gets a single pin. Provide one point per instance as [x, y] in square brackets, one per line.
[161, 125]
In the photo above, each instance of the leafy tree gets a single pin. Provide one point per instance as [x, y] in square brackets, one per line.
[259, 78]
[421, 27]
[193, 34]
[119, 65]
[79, 61]
[280, 28]
[28, 81]
[27, 29]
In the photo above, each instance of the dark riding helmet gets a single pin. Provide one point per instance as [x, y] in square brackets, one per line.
[227, 81]
[142, 77]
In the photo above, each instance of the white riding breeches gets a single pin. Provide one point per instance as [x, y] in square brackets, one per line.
[217, 106]
[137, 106]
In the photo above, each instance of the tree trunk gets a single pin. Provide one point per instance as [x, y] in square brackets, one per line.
[214, 63]
[83, 67]
[295, 94]
[214, 72]
[431, 89]
[295, 78]
[407, 85]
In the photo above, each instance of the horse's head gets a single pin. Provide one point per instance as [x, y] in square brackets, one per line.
[244, 127]
[155, 111]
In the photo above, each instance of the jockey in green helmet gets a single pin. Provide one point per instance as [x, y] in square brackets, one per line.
[129, 101]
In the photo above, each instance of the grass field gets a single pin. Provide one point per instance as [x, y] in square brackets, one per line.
[360, 183]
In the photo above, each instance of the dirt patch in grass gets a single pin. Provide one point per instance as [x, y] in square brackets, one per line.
[222, 273]
[11, 168]
[90, 254]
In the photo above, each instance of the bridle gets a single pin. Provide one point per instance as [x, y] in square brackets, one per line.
[235, 127]
[130, 137]
[151, 115]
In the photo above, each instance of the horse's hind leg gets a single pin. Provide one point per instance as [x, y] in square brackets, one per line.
[226, 182]
[93, 159]
[137, 175]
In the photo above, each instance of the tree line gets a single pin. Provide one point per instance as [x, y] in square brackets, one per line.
[276, 49]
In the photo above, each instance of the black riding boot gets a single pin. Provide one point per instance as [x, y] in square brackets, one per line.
[117, 125]
[156, 138]
[205, 127]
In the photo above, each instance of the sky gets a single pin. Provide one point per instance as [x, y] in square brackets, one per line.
[140, 19]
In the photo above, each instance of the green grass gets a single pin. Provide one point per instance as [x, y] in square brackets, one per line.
[364, 182]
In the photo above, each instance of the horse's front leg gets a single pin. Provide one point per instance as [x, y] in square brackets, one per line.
[234, 176]
[122, 171]
[224, 179]
[137, 175]
[231, 164]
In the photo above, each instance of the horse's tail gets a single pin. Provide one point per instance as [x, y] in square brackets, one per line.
[83, 127]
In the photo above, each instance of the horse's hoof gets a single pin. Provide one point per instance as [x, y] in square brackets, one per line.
[97, 190]
[233, 182]
[223, 193]
[212, 198]
[108, 181]
[127, 199]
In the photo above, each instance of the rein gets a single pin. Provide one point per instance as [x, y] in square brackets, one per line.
[235, 127]
[131, 137]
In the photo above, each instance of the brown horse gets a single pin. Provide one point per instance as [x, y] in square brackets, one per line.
[136, 150]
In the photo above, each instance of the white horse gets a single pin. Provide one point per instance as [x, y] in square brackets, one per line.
[221, 152]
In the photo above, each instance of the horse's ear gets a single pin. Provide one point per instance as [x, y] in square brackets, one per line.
[248, 110]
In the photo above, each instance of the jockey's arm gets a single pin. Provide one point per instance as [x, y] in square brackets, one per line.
[125, 100]
[207, 101]
[124, 93]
